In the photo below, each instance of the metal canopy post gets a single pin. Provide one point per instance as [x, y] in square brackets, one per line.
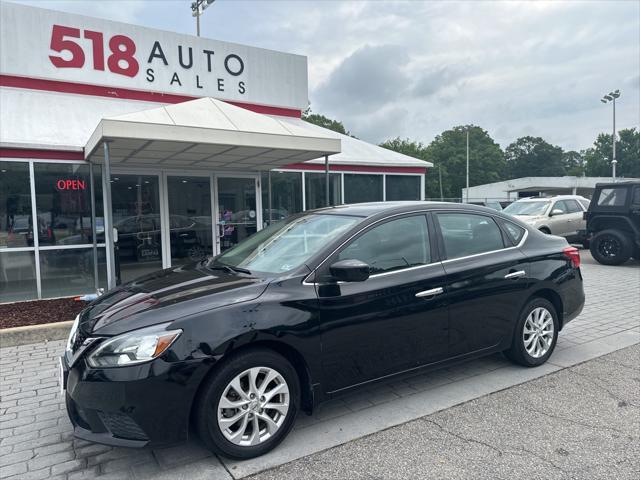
[326, 179]
[108, 220]
[269, 206]
[94, 228]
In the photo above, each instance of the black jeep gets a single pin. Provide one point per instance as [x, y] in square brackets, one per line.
[613, 222]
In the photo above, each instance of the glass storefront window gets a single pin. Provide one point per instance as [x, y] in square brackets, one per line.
[286, 195]
[315, 190]
[17, 276]
[136, 217]
[63, 202]
[402, 187]
[66, 272]
[362, 188]
[15, 205]
[190, 222]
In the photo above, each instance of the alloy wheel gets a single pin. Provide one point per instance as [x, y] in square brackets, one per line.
[609, 247]
[538, 332]
[253, 406]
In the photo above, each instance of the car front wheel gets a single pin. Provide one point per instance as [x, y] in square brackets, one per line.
[249, 405]
[536, 334]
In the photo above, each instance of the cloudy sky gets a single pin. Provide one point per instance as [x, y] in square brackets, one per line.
[413, 69]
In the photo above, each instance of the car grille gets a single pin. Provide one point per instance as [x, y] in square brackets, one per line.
[122, 426]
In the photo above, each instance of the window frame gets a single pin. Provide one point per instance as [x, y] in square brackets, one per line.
[506, 241]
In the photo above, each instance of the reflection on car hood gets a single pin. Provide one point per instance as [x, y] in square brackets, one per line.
[167, 295]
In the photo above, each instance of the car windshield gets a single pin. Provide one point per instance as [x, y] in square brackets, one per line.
[285, 245]
[527, 208]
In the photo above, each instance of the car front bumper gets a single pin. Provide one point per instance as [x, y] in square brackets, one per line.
[147, 404]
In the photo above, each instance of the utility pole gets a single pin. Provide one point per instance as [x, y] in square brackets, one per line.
[611, 97]
[467, 165]
[440, 178]
[197, 8]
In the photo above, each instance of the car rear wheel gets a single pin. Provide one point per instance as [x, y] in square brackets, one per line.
[249, 404]
[610, 247]
[536, 334]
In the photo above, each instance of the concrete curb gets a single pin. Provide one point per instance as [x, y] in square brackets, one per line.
[11, 337]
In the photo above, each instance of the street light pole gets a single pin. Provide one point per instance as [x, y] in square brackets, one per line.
[611, 97]
[467, 165]
[197, 8]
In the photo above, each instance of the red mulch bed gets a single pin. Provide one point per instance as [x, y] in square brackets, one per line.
[39, 311]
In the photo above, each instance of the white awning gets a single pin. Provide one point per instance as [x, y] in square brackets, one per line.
[207, 133]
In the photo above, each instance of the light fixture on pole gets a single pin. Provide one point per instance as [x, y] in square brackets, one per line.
[197, 8]
[611, 97]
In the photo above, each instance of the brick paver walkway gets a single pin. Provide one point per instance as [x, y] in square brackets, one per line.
[35, 433]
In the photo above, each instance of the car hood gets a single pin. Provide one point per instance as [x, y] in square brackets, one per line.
[529, 218]
[167, 295]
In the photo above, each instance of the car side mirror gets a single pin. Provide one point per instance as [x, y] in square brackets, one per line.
[349, 271]
[556, 211]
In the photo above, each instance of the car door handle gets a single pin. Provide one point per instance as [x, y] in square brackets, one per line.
[430, 293]
[518, 274]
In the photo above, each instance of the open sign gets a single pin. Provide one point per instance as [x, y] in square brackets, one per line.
[70, 184]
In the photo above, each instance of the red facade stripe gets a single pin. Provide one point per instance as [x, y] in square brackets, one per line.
[355, 168]
[41, 154]
[127, 94]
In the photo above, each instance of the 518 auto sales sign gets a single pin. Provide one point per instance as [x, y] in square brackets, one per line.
[45, 44]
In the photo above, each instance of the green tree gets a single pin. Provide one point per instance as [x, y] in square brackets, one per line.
[324, 122]
[449, 152]
[598, 158]
[574, 163]
[534, 157]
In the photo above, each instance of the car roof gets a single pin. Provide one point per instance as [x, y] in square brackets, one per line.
[554, 197]
[390, 207]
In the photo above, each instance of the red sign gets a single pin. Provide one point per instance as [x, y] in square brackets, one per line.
[69, 184]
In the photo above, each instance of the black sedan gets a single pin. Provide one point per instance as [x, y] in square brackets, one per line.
[319, 304]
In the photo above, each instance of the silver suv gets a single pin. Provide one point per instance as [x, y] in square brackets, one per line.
[562, 215]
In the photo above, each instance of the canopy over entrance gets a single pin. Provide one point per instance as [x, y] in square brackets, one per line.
[207, 133]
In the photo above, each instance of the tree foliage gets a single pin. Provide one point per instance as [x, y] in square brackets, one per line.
[324, 122]
[598, 157]
[534, 157]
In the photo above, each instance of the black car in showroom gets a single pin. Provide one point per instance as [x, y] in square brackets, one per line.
[325, 301]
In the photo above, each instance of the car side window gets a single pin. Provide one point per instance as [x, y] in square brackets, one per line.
[571, 206]
[636, 196]
[612, 197]
[514, 232]
[393, 245]
[467, 234]
[560, 205]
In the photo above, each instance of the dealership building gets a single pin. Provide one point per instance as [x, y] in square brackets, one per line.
[125, 149]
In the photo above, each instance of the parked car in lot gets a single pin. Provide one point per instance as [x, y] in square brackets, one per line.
[613, 222]
[493, 204]
[561, 215]
[308, 308]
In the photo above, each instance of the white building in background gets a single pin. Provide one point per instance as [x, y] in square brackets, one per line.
[126, 149]
[516, 188]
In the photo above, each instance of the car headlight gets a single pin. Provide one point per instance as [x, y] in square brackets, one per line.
[133, 347]
[72, 333]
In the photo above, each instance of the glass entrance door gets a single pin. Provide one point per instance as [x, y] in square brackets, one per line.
[137, 219]
[237, 210]
[190, 221]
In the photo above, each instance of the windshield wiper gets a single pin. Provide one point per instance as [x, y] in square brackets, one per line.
[228, 268]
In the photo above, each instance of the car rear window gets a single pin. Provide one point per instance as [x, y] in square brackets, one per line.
[467, 234]
[612, 197]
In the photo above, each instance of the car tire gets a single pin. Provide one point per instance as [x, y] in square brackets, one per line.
[532, 343]
[238, 439]
[610, 247]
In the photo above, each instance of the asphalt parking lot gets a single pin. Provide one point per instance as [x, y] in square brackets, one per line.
[36, 440]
